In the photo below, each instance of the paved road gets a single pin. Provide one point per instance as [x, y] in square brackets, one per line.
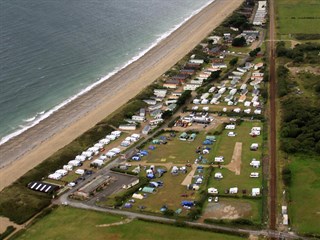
[273, 134]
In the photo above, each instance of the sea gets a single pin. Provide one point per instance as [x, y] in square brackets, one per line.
[52, 51]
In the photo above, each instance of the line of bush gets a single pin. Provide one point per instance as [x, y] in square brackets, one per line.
[7, 232]
[234, 222]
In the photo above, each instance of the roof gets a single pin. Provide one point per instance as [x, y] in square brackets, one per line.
[43, 187]
[93, 185]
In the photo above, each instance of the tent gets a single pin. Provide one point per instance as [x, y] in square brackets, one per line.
[255, 192]
[148, 189]
[218, 175]
[207, 142]
[151, 147]
[137, 196]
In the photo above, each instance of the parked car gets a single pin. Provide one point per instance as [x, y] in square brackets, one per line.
[210, 199]
[216, 199]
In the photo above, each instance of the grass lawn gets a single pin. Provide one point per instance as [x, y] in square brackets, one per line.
[304, 208]
[225, 145]
[298, 16]
[242, 181]
[169, 194]
[177, 151]
[70, 223]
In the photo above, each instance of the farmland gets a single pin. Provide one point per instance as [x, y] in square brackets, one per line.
[65, 222]
[304, 193]
[297, 17]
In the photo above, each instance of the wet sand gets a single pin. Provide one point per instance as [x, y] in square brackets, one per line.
[27, 150]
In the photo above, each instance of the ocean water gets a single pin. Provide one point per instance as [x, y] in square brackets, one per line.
[53, 51]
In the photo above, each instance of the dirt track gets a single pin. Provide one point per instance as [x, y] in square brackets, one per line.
[273, 127]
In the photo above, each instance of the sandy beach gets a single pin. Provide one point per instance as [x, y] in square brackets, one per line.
[27, 150]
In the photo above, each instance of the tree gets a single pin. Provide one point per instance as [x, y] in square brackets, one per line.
[239, 42]
[234, 61]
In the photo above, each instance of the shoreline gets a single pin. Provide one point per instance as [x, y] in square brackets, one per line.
[40, 116]
[78, 116]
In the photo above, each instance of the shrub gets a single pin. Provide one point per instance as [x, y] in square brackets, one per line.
[239, 42]
[286, 176]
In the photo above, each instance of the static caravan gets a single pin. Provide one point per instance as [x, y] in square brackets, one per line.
[137, 118]
[213, 191]
[55, 176]
[104, 141]
[128, 127]
[230, 127]
[219, 159]
[255, 163]
[63, 172]
[111, 137]
[79, 171]
[74, 163]
[68, 167]
[81, 158]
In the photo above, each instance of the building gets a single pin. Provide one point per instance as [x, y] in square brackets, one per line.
[261, 13]
[93, 186]
[146, 129]
[128, 127]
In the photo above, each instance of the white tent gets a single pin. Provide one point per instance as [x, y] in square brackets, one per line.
[255, 192]
[218, 175]
[233, 190]
[137, 196]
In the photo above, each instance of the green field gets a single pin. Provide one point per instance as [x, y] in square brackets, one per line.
[298, 16]
[304, 208]
[177, 151]
[70, 223]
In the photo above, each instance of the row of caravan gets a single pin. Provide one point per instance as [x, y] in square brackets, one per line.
[88, 154]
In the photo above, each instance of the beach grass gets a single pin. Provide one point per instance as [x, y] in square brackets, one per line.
[66, 223]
